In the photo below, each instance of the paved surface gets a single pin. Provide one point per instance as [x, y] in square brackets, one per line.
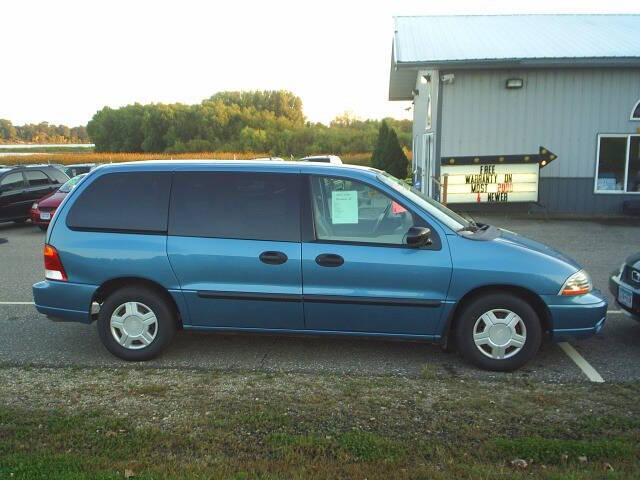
[28, 338]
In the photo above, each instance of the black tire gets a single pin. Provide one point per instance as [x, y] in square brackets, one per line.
[471, 313]
[43, 227]
[164, 329]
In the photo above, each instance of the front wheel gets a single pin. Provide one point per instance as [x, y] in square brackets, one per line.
[136, 323]
[498, 332]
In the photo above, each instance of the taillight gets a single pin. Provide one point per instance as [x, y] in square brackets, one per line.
[53, 269]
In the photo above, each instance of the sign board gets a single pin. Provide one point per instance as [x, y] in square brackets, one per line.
[491, 183]
[344, 207]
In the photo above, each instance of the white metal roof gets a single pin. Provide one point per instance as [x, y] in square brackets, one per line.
[489, 41]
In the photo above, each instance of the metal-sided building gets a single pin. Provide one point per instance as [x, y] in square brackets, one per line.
[526, 109]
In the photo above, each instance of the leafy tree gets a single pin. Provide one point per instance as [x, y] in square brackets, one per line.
[155, 124]
[7, 130]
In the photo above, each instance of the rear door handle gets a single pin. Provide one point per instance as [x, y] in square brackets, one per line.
[329, 260]
[273, 258]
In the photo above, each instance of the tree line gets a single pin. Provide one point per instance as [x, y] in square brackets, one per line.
[42, 132]
[248, 121]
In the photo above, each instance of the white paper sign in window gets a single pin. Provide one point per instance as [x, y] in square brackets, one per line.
[344, 207]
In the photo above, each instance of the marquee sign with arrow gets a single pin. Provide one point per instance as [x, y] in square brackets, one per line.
[494, 178]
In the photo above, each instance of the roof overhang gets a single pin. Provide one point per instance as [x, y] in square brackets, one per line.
[403, 75]
[402, 81]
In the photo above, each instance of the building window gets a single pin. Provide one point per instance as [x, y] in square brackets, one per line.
[635, 113]
[618, 164]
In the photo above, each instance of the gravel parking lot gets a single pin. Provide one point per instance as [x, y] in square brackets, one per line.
[28, 338]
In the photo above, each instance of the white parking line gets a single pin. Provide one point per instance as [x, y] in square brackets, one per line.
[579, 360]
[17, 303]
[615, 311]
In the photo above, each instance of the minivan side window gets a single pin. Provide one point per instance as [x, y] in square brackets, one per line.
[126, 202]
[36, 178]
[238, 205]
[346, 210]
[12, 180]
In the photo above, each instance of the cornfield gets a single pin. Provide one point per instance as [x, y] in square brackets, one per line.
[93, 157]
[356, 158]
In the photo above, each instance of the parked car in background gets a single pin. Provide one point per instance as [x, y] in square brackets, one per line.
[624, 285]
[77, 169]
[334, 159]
[43, 209]
[21, 185]
[300, 248]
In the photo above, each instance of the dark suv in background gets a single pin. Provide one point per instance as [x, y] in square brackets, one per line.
[21, 186]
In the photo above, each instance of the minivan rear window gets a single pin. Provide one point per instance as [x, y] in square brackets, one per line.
[130, 201]
[239, 205]
[57, 175]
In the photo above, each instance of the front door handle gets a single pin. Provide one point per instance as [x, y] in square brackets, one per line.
[329, 260]
[273, 258]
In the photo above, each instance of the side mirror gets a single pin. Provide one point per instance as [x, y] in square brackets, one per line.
[418, 237]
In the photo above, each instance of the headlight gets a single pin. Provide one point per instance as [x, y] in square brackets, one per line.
[35, 205]
[577, 284]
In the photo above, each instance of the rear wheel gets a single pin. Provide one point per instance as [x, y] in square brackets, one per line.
[498, 332]
[136, 323]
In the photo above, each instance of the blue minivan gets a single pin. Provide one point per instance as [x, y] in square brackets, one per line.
[148, 248]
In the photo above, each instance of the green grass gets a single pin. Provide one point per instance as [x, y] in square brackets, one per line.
[94, 423]
[553, 450]
[429, 372]
[149, 389]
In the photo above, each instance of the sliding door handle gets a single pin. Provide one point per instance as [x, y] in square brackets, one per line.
[273, 258]
[329, 260]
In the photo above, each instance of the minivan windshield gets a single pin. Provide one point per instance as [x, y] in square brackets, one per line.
[71, 183]
[439, 211]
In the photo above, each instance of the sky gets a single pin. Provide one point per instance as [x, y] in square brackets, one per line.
[62, 61]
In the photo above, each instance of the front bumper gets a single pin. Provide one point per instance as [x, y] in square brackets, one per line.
[575, 317]
[64, 301]
[614, 284]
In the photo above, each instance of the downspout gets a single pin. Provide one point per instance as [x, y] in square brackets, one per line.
[436, 152]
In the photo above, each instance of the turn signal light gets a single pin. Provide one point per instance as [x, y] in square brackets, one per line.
[577, 284]
[53, 269]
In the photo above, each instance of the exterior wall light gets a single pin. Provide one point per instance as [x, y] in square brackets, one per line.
[448, 78]
[514, 83]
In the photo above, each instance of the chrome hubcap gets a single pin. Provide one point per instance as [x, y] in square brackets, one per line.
[134, 325]
[499, 333]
